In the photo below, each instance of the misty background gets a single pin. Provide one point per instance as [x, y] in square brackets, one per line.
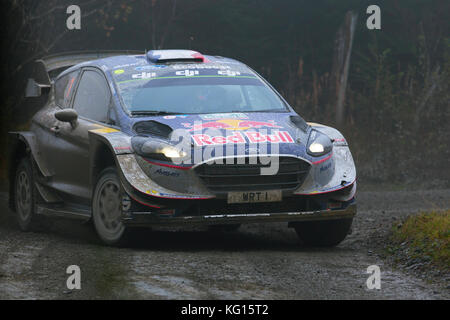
[386, 90]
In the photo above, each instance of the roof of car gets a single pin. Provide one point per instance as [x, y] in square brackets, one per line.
[123, 61]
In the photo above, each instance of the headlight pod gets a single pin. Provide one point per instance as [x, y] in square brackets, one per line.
[159, 149]
[173, 153]
[319, 144]
[316, 148]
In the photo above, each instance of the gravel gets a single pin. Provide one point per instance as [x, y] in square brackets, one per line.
[259, 261]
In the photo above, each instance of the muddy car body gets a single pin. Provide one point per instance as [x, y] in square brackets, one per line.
[173, 137]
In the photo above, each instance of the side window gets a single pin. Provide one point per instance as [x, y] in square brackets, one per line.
[63, 89]
[93, 97]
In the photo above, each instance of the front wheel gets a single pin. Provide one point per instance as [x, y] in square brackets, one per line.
[25, 196]
[327, 233]
[107, 209]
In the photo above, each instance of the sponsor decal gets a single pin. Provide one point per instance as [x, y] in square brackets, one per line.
[120, 71]
[232, 124]
[175, 196]
[229, 73]
[200, 66]
[144, 75]
[216, 116]
[167, 173]
[126, 65]
[105, 130]
[239, 137]
[174, 117]
[187, 73]
[151, 67]
[325, 167]
[340, 142]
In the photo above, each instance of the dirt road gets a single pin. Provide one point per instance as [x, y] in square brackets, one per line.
[257, 262]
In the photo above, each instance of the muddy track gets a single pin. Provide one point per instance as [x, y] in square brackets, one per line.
[260, 261]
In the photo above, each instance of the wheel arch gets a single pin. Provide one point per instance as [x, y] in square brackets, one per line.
[105, 144]
[101, 157]
[22, 144]
[18, 149]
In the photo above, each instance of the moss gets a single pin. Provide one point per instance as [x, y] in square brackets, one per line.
[424, 237]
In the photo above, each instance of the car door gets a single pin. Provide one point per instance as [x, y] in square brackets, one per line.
[70, 161]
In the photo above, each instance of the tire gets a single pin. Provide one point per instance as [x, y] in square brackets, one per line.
[25, 196]
[107, 209]
[327, 233]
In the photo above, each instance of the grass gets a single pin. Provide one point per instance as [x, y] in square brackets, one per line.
[424, 237]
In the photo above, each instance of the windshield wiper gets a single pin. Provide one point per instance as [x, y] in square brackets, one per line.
[152, 113]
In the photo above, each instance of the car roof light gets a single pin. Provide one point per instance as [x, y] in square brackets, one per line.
[162, 56]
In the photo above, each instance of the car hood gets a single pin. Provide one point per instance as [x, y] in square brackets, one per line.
[283, 133]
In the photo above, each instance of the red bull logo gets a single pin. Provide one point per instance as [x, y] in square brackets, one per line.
[239, 137]
[233, 124]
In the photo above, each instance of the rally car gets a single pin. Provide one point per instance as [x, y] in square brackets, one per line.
[175, 138]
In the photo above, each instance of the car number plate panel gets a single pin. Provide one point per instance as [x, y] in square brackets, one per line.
[255, 196]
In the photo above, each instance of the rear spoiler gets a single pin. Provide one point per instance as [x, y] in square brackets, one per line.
[44, 67]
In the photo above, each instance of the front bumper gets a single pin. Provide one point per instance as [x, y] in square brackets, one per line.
[148, 219]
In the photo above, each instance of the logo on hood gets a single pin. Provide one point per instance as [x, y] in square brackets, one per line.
[232, 124]
[237, 137]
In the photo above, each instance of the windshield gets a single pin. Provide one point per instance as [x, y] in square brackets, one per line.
[195, 91]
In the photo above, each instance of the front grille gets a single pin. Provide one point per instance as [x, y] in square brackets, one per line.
[247, 176]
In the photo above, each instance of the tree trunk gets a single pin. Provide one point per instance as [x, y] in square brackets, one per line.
[341, 62]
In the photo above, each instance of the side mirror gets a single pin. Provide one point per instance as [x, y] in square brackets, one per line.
[67, 115]
[34, 89]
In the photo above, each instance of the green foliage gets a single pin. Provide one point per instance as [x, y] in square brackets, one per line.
[426, 237]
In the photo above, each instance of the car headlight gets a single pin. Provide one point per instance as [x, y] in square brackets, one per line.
[319, 144]
[316, 148]
[160, 150]
[173, 153]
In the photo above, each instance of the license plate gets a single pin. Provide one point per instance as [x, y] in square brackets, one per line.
[255, 196]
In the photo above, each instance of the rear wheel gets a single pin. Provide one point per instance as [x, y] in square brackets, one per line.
[25, 196]
[107, 209]
[327, 233]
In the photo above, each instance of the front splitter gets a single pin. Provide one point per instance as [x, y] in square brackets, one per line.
[148, 219]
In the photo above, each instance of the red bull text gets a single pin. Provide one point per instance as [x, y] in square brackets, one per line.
[239, 137]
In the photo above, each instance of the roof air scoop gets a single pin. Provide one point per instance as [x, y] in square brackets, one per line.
[163, 56]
